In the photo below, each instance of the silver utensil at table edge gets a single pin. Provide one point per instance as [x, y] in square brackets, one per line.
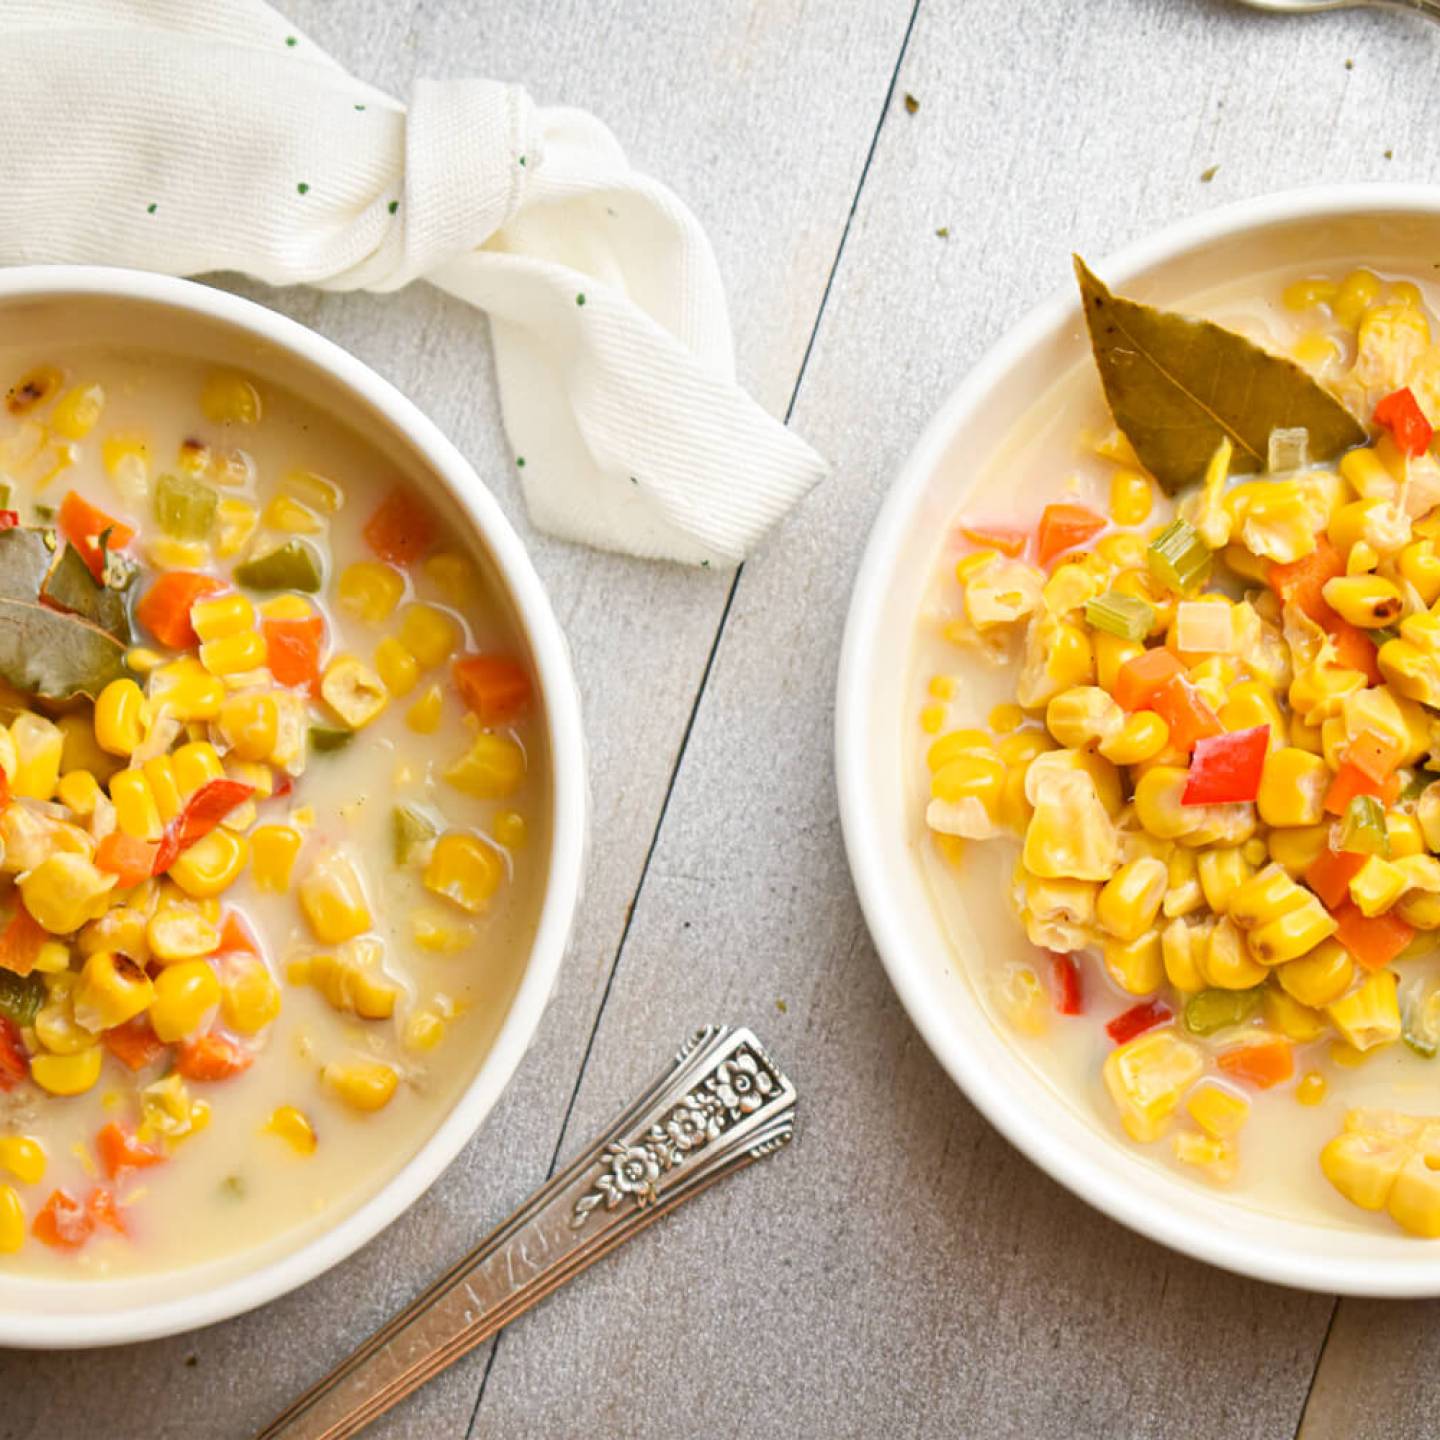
[721, 1104]
[1430, 9]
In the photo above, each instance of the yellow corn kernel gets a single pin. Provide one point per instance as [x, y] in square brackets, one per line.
[52, 958]
[1310, 1088]
[249, 998]
[1364, 600]
[212, 864]
[508, 827]
[1292, 934]
[439, 934]
[1419, 565]
[187, 690]
[1057, 656]
[364, 1085]
[1252, 703]
[1221, 873]
[294, 1128]
[135, 810]
[1307, 294]
[196, 764]
[64, 891]
[1369, 1015]
[230, 399]
[1292, 788]
[1022, 999]
[186, 998]
[126, 458]
[1130, 900]
[463, 868]
[286, 514]
[1358, 290]
[237, 521]
[24, 1157]
[39, 745]
[353, 987]
[250, 723]
[1111, 652]
[956, 743]
[1297, 1022]
[397, 667]
[1377, 885]
[67, 1074]
[423, 1031]
[1403, 832]
[1157, 802]
[1081, 716]
[221, 616]
[286, 607]
[159, 776]
[494, 767]
[1218, 1111]
[1296, 850]
[1137, 966]
[369, 590]
[165, 552]
[353, 691]
[1319, 977]
[234, 653]
[332, 896]
[1420, 910]
[429, 634]
[1143, 736]
[56, 1027]
[1121, 551]
[180, 932]
[1216, 1160]
[1366, 471]
[122, 929]
[1265, 896]
[1131, 498]
[79, 790]
[121, 717]
[1226, 962]
[77, 411]
[424, 715]
[111, 990]
[1146, 1077]
[1304, 736]
[273, 850]
[1183, 895]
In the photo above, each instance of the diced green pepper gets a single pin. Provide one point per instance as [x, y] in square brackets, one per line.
[1213, 1010]
[325, 738]
[1178, 558]
[184, 507]
[293, 566]
[1127, 616]
[411, 831]
[21, 996]
[1363, 830]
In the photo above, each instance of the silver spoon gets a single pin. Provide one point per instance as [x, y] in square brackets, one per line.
[1430, 9]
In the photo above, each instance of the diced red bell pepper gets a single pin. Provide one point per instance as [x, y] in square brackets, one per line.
[63, 1222]
[202, 812]
[1263, 1065]
[1400, 413]
[1137, 1019]
[1225, 769]
[495, 687]
[1329, 875]
[20, 941]
[9, 519]
[1350, 780]
[293, 649]
[1374, 754]
[120, 1151]
[402, 529]
[1065, 984]
[1142, 677]
[128, 859]
[1062, 527]
[212, 1057]
[14, 1067]
[82, 524]
[134, 1044]
[997, 537]
[1354, 649]
[1375, 940]
[1188, 717]
[1302, 582]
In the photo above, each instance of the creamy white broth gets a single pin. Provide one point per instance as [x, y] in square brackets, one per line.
[235, 1187]
[1049, 457]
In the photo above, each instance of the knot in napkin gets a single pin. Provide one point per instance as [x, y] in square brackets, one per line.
[206, 135]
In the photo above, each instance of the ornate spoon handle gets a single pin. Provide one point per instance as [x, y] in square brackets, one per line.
[720, 1105]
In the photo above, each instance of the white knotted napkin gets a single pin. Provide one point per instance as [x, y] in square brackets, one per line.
[200, 135]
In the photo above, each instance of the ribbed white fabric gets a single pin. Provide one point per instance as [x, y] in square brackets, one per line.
[198, 135]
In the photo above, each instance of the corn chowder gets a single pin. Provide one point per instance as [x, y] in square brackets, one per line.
[1198, 737]
[273, 814]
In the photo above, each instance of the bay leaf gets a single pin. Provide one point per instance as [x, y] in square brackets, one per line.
[25, 559]
[54, 655]
[72, 587]
[1178, 385]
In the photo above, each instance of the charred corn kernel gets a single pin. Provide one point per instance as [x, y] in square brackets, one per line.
[196, 764]
[1364, 600]
[180, 932]
[186, 998]
[1221, 873]
[464, 868]
[39, 745]
[1146, 1078]
[494, 767]
[1319, 977]
[397, 667]
[508, 827]
[362, 1084]
[294, 1128]
[111, 990]
[187, 690]
[1218, 1111]
[1376, 886]
[77, 411]
[286, 514]
[234, 653]
[273, 849]
[79, 790]
[230, 399]
[423, 1031]
[352, 987]
[135, 810]
[249, 998]
[1310, 1088]
[1082, 716]
[333, 898]
[1111, 652]
[1358, 290]
[429, 634]
[1142, 737]
[369, 590]
[1131, 498]
[1307, 294]
[1157, 802]
[237, 522]
[1297, 1022]
[1292, 788]
[353, 691]
[212, 864]
[1227, 963]
[24, 1157]
[424, 715]
[1137, 966]
[64, 891]
[1130, 900]
[67, 1074]
[122, 715]
[1292, 934]
[250, 723]
[1369, 1015]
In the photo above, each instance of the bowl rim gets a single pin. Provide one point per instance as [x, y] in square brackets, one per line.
[551, 655]
[1053, 1151]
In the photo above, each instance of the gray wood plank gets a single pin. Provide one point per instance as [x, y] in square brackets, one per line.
[761, 116]
[901, 1270]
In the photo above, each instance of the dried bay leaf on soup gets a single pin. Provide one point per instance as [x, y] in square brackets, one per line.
[1178, 385]
[25, 559]
[72, 587]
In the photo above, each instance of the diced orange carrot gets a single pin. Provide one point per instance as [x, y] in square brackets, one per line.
[1374, 941]
[1330, 873]
[212, 1057]
[120, 1151]
[1062, 527]
[1355, 650]
[402, 529]
[1263, 1065]
[100, 1206]
[63, 1222]
[495, 687]
[293, 649]
[128, 859]
[1179, 704]
[134, 1043]
[20, 941]
[164, 609]
[1350, 780]
[1302, 582]
[82, 524]
[996, 537]
[1140, 679]
[235, 934]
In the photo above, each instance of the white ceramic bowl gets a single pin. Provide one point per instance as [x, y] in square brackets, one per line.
[182, 317]
[1392, 227]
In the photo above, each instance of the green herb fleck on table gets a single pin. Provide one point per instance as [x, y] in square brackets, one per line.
[519, 462]
[943, 232]
[151, 208]
[580, 298]
[393, 206]
[911, 104]
[359, 107]
[303, 188]
[1206, 176]
[522, 159]
[292, 40]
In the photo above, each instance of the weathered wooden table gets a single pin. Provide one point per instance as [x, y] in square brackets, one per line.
[900, 1271]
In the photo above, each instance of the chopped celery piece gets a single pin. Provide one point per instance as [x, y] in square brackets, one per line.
[184, 507]
[1127, 616]
[1420, 1021]
[1363, 832]
[293, 566]
[410, 830]
[1178, 558]
[325, 738]
[1213, 1010]
[21, 997]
